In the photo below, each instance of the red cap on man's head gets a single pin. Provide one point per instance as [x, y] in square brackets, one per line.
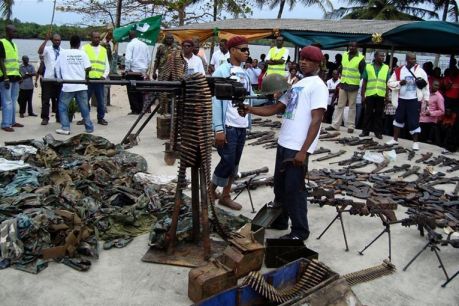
[236, 41]
[311, 53]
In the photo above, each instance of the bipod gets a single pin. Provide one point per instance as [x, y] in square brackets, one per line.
[339, 215]
[450, 279]
[433, 240]
[386, 229]
[129, 139]
[247, 187]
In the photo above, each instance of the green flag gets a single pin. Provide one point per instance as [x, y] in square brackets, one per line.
[147, 30]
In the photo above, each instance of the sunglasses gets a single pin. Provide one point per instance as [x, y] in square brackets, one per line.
[243, 49]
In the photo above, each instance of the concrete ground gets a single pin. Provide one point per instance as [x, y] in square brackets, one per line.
[119, 277]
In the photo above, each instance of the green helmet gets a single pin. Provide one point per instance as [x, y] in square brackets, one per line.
[274, 83]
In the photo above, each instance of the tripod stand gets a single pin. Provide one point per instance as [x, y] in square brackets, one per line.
[433, 240]
[247, 184]
[386, 224]
[340, 209]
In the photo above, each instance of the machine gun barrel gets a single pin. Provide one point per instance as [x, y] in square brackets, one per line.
[249, 173]
[221, 88]
[146, 85]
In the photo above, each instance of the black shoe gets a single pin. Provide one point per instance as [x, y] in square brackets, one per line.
[44, 122]
[330, 128]
[102, 122]
[134, 113]
[379, 136]
[364, 134]
[21, 115]
[33, 115]
[81, 122]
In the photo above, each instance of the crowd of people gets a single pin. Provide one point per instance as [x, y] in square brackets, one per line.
[79, 63]
[376, 96]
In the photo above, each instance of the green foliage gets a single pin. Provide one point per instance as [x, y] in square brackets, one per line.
[383, 10]
[30, 30]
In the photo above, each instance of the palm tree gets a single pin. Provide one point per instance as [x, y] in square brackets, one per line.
[291, 3]
[6, 9]
[382, 10]
[450, 7]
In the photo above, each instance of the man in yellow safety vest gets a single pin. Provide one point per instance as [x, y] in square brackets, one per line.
[353, 66]
[100, 68]
[277, 57]
[9, 79]
[374, 90]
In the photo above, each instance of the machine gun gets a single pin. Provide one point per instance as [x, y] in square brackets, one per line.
[252, 183]
[221, 88]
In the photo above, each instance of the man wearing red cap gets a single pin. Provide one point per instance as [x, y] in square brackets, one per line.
[303, 106]
[228, 125]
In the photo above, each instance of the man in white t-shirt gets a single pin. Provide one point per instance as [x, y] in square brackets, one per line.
[408, 98]
[332, 95]
[219, 57]
[194, 62]
[303, 106]
[136, 65]
[73, 64]
[253, 72]
[50, 90]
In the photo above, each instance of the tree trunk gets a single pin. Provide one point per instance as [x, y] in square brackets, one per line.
[445, 11]
[181, 15]
[119, 5]
[281, 9]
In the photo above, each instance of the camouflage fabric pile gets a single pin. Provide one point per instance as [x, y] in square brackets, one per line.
[71, 194]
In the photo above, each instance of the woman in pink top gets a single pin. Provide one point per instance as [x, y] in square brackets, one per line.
[431, 113]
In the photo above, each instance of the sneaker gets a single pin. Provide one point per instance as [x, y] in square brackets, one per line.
[415, 146]
[330, 128]
[228, 202]
[102, 121]
[89, 131]
[392, 142]
[80, 122]
[379, 136]
[63, 132]
[44, 122]
[364, 134]
[292, 236]
[18, 125]
[350, 130]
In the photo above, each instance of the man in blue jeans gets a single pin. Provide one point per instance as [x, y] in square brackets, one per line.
[303, 107]
[9, 79]
[73, 64]
[100, 69]
[228, 125]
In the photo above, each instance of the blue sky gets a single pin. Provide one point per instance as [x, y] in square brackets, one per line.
[41, 12]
